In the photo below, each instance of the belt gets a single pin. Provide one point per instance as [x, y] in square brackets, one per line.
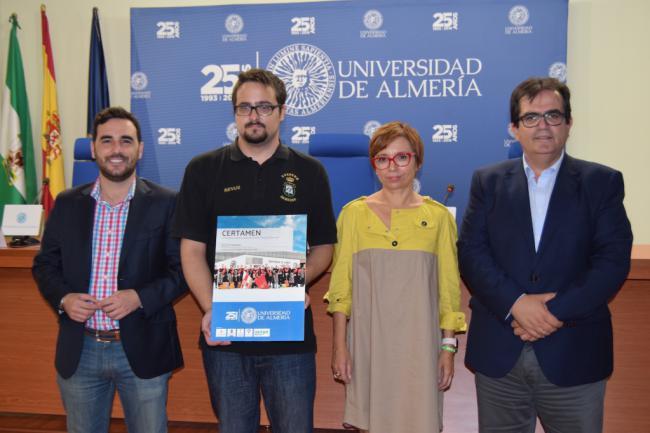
[106, 336]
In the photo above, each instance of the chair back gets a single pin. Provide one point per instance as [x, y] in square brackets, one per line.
[345, 158]
[84, 169]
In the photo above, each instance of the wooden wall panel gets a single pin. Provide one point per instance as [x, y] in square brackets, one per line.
[28, 332]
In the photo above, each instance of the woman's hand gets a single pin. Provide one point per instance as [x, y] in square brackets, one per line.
[341, 364]
[445, 369]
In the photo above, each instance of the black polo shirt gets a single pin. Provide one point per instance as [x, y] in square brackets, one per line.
[227, 182]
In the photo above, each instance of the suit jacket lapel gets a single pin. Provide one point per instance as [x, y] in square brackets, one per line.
[136, 219]
[559, 207]
[517, 190]
[84, 226]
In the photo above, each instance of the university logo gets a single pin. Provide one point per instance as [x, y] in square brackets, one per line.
[558, 70]
[308, 73]
[445, 134]
[301, 134]
[21, 218]
[168, 136]
[168, 30]
[303, 25]
[139, 83]
[248, 315]
[370, 127]
[234, 24]
[232, 315]
[518, 17]
[445, 21]
[508, 141]
[372, 20]
[231, 131]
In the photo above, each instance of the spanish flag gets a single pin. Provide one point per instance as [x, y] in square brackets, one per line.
[53, 178]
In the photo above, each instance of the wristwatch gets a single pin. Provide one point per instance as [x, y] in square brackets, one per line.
[60, 309]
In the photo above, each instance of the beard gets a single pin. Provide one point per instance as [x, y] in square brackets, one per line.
[119, 176]
[258, 138]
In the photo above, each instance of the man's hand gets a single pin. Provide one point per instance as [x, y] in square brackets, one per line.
[521, 332]
[206, 323]
[79, 306]
[533, 317]
[120, 304]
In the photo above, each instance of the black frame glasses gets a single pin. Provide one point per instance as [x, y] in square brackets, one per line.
[551, 117]
[260, 109]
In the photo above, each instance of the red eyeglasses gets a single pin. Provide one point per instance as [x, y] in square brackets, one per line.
[400, 159]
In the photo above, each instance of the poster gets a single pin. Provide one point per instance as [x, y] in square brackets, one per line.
[259, 278]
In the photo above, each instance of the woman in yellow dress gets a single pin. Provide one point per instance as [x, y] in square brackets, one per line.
[395, 277]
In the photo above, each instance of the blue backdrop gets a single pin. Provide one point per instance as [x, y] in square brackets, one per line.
[447, 68]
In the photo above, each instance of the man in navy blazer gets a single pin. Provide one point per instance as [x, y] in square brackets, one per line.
[544, 245]
[110, 268]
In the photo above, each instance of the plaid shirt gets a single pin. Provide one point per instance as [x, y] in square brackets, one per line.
[108, 233]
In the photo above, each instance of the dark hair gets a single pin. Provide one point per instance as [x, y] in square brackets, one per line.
[115, 113]
[388, 132]
[263, 77]
[532, 87]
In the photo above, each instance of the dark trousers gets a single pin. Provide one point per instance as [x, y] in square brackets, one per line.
[286, 382]
[512, 403]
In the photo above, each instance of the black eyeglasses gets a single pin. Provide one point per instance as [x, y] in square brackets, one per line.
[551, 117]
[261, 109]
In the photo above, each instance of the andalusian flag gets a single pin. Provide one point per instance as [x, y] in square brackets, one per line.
[17, 173]
[53, 179]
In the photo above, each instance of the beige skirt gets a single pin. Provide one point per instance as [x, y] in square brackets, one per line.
[393, 337]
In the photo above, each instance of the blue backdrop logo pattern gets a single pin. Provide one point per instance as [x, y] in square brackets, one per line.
[447, 68]
[518, 15]
[557, 70]
[308, 74]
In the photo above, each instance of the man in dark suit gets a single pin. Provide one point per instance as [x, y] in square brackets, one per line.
[544, 245]
[111, 270]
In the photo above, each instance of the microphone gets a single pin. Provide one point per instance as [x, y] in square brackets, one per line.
[448, 193]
